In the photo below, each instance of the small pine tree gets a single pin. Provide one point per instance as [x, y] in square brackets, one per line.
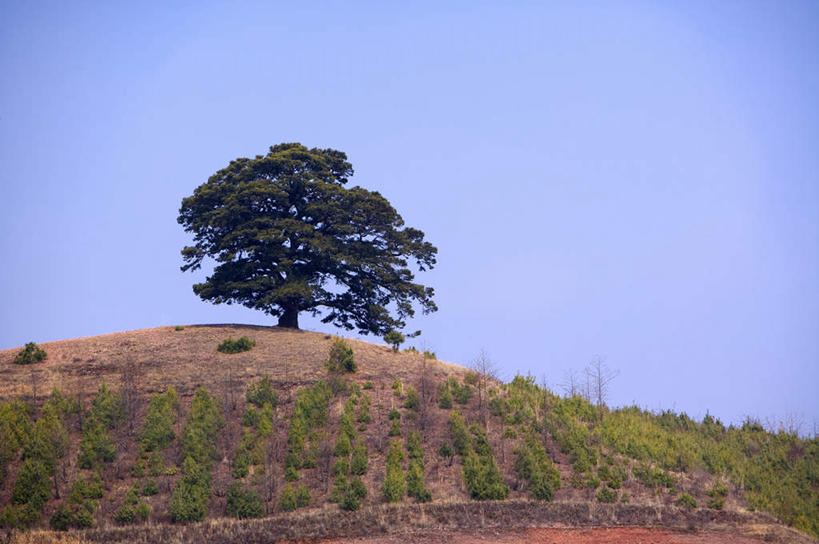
[341, 357]
[32, 353]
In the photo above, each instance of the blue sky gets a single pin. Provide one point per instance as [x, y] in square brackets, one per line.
[631, 180]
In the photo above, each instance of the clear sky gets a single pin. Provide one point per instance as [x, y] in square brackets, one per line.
[634, 180]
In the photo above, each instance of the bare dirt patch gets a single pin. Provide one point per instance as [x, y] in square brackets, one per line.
[620, 535]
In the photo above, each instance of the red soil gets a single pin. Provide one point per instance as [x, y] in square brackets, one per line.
[620, 535]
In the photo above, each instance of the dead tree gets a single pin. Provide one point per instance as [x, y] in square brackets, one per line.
[487, 372]
[598, 378]
[571, 384]
[129, 391]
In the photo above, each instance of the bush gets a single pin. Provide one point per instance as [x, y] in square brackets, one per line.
[460, 434]
[368, 384]
[262, 392]
[287, 501]
[395, 428]
[358, 463]
[483, 478]
[32, 353]
[236, 346]
[244, 503]
[606, 494]
[687, 501]
[353, 494]
[533, 465]
[341, 358]
[652, 477]
[364, 410]
[413, 400]
[303, 496]
[190, 498]
[395, 339]
[33, 486]
[718, 492]
[157, 429]
[395, 481]
[179, 328]
[150, 487]
[343, 446]
[445, 397]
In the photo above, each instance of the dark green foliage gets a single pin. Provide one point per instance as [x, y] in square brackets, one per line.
[202, 428]
[415, 482]
[353, 494]
[358, 463]
[149, 488]
[394, 414]
[32, 353]
[687, 501]
[74, 515]
[291, 498]
[190, 498]
[413, 400]
[483, 478]
[445, 450]
[341, 358]
[368, 384]
[653, 477]
[289, 237]
[461, 393]
[606, 494]
[244, 503]
[340, 466]
[107, 408]
[395, 428]
[718, 492]
[311, 411]
[445, 397]
[429, 355]
[236, 346]
[19, 516]
[533, 465]
[364, 410]
[250, 417]
[157, 429]
[179, 328]
[33, 485]
[15, 428]
[262, 392]
[395, 339]
[96, 445]
[460, 434]
[156, 464]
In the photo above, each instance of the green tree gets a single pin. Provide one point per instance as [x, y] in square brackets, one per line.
[289, 237]
[395, 339]
[32, 353]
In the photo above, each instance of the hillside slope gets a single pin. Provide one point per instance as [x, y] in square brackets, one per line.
[506, 441]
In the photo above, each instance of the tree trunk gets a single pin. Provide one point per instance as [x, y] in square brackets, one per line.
[289, 318]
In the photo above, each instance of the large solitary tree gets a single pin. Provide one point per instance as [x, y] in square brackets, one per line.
[289, 237]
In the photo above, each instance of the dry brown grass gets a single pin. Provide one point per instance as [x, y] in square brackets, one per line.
[188, 358]
[507, 521]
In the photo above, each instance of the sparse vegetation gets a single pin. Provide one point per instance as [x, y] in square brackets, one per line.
[87, 464]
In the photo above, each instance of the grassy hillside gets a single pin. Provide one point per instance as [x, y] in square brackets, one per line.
[157, 425]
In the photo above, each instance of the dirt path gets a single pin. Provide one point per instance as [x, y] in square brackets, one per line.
[620, 535]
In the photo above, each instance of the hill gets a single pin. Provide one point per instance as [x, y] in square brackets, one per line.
[93, 437]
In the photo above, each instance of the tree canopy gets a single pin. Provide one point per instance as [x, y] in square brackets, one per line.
[289, 237]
